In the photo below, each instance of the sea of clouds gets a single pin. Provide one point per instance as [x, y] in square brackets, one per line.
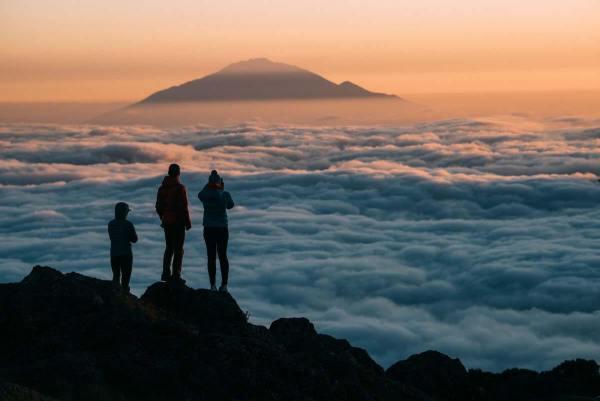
[479, 238]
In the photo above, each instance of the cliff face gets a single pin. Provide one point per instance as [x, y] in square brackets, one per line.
[71, 337]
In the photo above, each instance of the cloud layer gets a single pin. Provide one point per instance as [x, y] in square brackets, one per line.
[477, 238]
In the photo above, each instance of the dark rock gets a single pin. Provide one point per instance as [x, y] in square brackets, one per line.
[578, 375]
[77, 338]
[446, 379]
[326, 356]
[512, 384]
[207, 310]
[14, 392]
[294, 333]
[72, 337]
[435, 374]
[571, 380]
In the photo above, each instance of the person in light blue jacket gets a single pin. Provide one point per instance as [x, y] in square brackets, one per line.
[216, 201]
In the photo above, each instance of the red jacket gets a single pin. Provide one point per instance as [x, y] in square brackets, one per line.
[172, 202]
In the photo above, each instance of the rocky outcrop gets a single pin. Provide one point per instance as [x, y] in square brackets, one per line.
[436, 374]
[77, 338]
[447, 379]
[204, 310]
[14, 392]
[72, 337]
[576, 380]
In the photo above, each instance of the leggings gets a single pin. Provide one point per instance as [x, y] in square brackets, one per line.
[121, 267]
[216, 244]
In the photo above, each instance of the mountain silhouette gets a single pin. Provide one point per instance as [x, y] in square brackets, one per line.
[72, 337]
[266, 92]
[260, 79]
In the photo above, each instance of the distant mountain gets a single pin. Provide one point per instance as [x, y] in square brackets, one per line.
[260, 79]
[263, 91]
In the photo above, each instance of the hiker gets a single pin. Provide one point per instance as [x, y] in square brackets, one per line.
[172, 208]
[216, 234]
[121, 233]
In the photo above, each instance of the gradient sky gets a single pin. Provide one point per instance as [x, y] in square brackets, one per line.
[70, 50]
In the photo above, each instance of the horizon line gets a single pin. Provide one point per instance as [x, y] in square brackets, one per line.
[403, 95]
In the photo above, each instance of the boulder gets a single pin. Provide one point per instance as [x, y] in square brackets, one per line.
[435, 374]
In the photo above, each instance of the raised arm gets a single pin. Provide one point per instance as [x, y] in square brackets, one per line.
[202, 193]
[228, 200]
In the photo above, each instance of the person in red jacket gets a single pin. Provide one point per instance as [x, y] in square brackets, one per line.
[172, 208]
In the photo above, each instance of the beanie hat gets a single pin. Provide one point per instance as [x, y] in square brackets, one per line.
[214, 177]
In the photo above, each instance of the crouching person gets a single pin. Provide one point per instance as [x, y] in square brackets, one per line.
[122, 233]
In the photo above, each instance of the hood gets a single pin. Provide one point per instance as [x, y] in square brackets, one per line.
[121, 210]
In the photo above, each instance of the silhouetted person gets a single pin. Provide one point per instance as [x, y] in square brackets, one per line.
[122, 233]
[216, 201]
[172, 208]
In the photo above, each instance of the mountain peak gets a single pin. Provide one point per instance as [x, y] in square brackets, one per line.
[349, 84]
[260, 79]
[260, 65]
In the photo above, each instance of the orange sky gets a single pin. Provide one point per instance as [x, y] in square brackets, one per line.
[71, 50]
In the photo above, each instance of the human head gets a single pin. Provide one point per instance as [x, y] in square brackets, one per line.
[121, 210]
[174, 170]
[214, 178]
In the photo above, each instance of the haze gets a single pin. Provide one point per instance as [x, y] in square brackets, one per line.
[121, 50]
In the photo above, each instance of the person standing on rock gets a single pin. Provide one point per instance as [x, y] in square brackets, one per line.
[216, 201]
[172, 208]
[121, 233]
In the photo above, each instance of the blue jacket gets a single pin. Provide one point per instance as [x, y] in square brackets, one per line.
[216, 202]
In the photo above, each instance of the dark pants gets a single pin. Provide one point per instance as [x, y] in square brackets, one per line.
[121, 267]
[174, 239]
[216, 243]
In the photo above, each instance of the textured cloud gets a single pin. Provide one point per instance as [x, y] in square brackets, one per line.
[478, 238]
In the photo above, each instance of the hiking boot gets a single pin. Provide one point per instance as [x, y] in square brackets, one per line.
[213, 287]
[165, 276]
[223, 288]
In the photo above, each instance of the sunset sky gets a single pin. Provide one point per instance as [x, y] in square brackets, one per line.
[79, 50]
